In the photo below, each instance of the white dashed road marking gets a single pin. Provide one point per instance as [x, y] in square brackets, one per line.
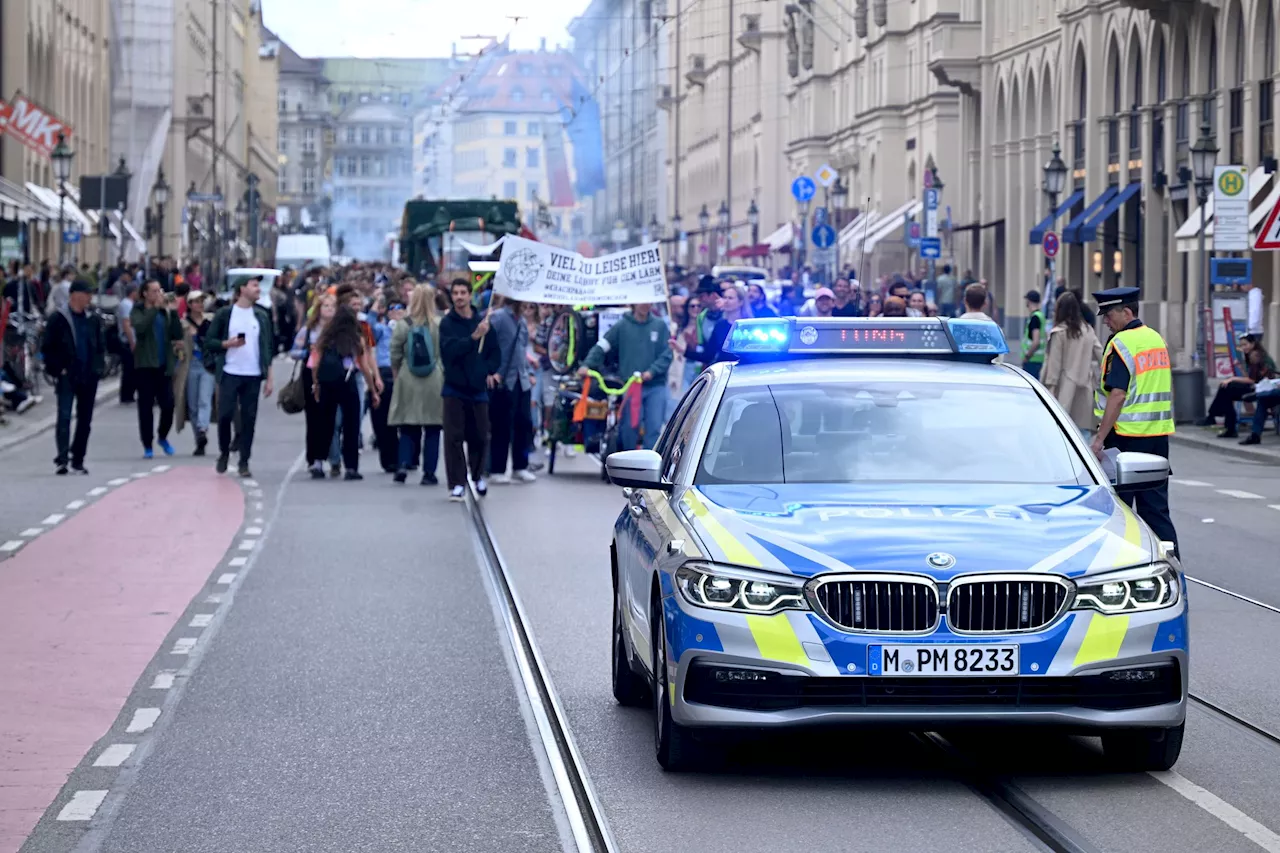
[115, 755]
[183, 646]
[1193, 483]
[75, 505]
[213, 598]
[227, 578]
[163, 681]
[237, 562]
[53, 519]
[247, 544]
[12, 545]
[160, 469]
[201, 620]
[32, 531]
[98, 490]
[1236, 493]
[258, 505]
[83, 805]
[143, 719]
[1222, 810]
[251, 483]
[1207, 520]
[253, 531]
[118, 481]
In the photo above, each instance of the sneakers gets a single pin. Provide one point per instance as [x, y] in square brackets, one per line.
[316, 471]
[202, 441]
[61, 470]
[79, 468]
[503, 479]
[26, 404]
[401, 475]
[221, 465]
[482, 487]
[148, 453]
[429, 480]
[1228, 433]
[166, 447]
[569, 451]
[243, 470]
[352, 475]
[456, 494]
[1253, 438]
[335, 471]
[525, 477]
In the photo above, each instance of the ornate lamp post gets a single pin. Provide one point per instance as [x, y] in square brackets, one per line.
[753, 218]
[1055, 181]
[160, 197]
[1204, 156]
[62, 156]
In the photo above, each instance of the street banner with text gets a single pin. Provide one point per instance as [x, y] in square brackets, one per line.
[536, 272]
[31, 124]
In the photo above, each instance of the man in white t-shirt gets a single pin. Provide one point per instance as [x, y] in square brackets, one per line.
[1253, 325]
[241, 339]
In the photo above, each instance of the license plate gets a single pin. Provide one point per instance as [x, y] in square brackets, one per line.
[950, 659]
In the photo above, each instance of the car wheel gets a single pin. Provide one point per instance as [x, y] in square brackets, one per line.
[674, 744]
[1144, 749]
[628, 688]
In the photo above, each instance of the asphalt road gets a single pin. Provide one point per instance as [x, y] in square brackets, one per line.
[348, 686]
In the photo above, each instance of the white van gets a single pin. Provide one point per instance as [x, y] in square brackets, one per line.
[238, 274]
[302, 251]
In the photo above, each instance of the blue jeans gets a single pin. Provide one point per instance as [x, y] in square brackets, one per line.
[1033, 367]
[653, 413]
[200, 385]
[1261, 407]
[424, 440]
[335, 446]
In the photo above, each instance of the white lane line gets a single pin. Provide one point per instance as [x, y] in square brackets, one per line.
[253, 484]
[139, 475]
[253, 531]
[83, 805]
[255, 493]
[1207, 520]
[53, 519]
[160, 469]
[213, 598]
[1273, 506]
[118, 481]
[237, 562]
[32, 531]
[1192, 483]
[97, 490]
[183, 646]
[227, 578]
[115, 755]
[74, 505]
[258, 505]
[258, 520]
[201, 620]
[1236, 493]
[143, 719]
[1221, 809]
[163, 680]
[247, 544]
[12, 545]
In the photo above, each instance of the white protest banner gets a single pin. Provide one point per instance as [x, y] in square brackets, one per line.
[536, 272]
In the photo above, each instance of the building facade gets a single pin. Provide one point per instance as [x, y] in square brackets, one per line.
[305, 136]
[372, 174]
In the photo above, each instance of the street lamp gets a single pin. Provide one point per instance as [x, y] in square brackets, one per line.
[704, 218]
[1055, 181]
[655, 227]
[62, 155]
[723, 215]
[1204, 156]
[753, 217]
[160, 198]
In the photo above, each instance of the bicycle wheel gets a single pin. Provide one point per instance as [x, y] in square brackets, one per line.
[33, 366]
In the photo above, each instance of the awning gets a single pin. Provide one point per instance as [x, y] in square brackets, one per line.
[1189, 233]
[1190, 229]
[18, 205]
[1046, 224]
[782, 238]
[1088, 232]
[138, 243]
[1071, 234]
[759, 250]
[71, 211]
[891, 222]
[851, 235]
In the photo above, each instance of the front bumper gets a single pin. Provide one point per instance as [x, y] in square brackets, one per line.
[806, 672]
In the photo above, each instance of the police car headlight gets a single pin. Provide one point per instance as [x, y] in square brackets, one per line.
[740, 590]
[1130, 591]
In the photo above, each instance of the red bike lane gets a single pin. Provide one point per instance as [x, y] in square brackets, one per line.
[83, 610]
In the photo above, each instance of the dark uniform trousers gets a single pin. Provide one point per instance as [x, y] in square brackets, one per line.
[1151, 505]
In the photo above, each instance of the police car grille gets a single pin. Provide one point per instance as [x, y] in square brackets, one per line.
[880, 606]
[1005, 604]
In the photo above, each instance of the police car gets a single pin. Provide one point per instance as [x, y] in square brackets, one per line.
[873, 522]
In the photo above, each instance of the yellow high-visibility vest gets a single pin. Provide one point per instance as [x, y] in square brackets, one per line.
[1148, 402]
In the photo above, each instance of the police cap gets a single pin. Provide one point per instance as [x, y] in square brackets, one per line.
[1116, 297]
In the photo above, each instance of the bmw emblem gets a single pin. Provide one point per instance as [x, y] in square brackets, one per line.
[809, 336]
[940, 560]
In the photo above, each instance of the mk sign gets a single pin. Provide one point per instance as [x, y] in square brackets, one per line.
[32, 124]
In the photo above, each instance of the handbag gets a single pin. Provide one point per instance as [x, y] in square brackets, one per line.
[293, 396]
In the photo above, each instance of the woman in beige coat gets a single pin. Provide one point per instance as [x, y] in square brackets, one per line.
[416, 405]
[1073, 362]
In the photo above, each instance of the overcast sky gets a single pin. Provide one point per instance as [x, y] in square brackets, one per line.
[414, 28]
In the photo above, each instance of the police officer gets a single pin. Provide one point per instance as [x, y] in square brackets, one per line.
[1035, 333]
[1135, 402]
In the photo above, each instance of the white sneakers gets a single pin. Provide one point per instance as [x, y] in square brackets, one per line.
[505, 479]
[456, 494]
[525, 476]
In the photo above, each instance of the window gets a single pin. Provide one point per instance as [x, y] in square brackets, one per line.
[517, 94]
[869, 431]
[364, 97]
[351, 166]
[380, 135]
[309, 180]
[532, 191]
[364, 167]
[282, 140]
[533, 158]
[509, 158]
[343, 99]
[309, 139]
[548, 96]
[534, 128]
[404, 100]
[379, 167]
[509, 128]
[675, 439]
[509, 190]
[284, 103]
[395, 136]
[282, 182]
[524, 69]
[364, 136]
[393, 166]
[351, 135]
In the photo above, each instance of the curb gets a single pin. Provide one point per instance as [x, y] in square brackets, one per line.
[105, 390]
[1227, 448]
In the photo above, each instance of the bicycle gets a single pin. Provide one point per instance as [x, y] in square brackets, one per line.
[602, 411]
[22, 351]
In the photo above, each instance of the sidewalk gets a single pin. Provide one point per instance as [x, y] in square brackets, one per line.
[44, 416]
[1206, 438]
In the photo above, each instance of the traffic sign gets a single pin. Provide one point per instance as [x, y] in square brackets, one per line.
[1230, 209]
[824, 237]
[820, 216]
[205, 198]
[913, 233]
[825, 175]
[931, 247]
[931, 199]
[1233, 271]
[1269, 236]
[803, 188]
[70, 236]
[1050, 244]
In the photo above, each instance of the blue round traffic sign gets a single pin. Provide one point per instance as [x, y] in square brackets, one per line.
[1050, 244]
[803, 188]
[824, 237]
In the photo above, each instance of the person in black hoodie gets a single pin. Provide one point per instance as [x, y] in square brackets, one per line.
[470, 355]
[74, 355]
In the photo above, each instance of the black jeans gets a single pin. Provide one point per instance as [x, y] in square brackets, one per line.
[511, 424]
[239, 391]
[82, 395]
[388, 447]
[334, 396]
[415, 440]
[154, 388]
[466, 425]
[1223, 405]
[128, 381]
[1151, 505]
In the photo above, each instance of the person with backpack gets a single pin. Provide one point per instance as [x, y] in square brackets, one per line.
[338, 357]
[417, 408]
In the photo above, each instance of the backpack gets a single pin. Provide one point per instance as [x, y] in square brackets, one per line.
[331, 367]
[422, 351]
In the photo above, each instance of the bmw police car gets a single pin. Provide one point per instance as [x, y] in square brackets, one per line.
[871, 521]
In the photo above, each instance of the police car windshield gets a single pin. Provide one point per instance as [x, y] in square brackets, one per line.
[887, 432]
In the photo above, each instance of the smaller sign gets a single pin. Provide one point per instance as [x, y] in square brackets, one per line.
[930, 199]
[1269, 236]
[825, 175]
[71, 236]
[820, 216]
[1233, 271]
[205, 198]
[824, 236]
[824, 257]
[803, 188]
[931, 248]
[913, 233]
[1050, 244]
[1230, 209]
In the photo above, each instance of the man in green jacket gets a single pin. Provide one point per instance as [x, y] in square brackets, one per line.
[642, 342]
[157, 347]
[241, 342]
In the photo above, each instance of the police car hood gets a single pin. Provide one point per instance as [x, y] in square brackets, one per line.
[805, 529]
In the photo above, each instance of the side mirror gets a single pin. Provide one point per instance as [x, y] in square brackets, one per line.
[1136, 472]
[636, 469]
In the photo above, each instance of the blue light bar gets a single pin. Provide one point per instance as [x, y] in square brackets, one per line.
[932, 337]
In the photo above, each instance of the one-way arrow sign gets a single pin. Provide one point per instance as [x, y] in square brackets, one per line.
[1269, 236]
